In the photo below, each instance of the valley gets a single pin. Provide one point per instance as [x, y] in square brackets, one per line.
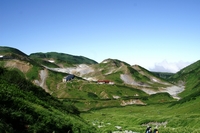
[129, 99]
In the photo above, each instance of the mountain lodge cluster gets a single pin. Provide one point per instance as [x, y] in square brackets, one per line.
[71, 76]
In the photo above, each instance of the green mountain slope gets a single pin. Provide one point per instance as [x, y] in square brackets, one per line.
[15, 59]
[25, 107]
[166, 118]
[176, 116]
[190, 76]
[54, 59]
[124, 74]
[128, 83]
[137, 98]
[12, 53]
[86, 93]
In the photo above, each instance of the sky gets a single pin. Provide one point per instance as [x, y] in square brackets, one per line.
[159, 35]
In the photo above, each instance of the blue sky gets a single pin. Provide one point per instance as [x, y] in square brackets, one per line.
[159, 35]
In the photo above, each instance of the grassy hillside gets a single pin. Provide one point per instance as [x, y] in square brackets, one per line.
[60, 58]
[14, 59]
[166, 118]
[121, 106]
[172, 116]
[6, 51]
[82, 92]
[124, 76]
[25, 107]
[9, 53]
[90, 95]
[190, 76]
[186, 71]
[114, 70]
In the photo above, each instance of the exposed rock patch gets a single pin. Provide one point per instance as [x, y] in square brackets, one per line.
[22, 66]
[89, 73]
[131, 101]
[79, 70]
[128, 79]
[42, 82]
[116, 97]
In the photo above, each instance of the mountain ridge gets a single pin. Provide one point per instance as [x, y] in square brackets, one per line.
[136, 93]
[61, 58]
[119, 72]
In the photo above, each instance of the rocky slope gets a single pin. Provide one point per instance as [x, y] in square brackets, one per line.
[113, 70]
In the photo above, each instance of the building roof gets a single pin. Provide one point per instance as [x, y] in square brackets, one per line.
[69, 77]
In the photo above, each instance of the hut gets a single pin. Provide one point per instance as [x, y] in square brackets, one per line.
[68, 78]
[104, 82]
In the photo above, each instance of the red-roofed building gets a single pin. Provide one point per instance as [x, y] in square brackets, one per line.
[104, 82]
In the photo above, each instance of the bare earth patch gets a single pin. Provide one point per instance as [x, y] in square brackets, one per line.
[42, 82]
[131, 101]
[22, 66]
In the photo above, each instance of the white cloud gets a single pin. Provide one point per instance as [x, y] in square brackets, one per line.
[166, 66]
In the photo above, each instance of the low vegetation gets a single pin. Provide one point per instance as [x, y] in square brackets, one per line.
[165, 117]
[60, 58]
[83, 106]
[161, 111]
[25, 107]
[190, 77]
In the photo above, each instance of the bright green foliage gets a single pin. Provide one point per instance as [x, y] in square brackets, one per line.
[32, 74]
[92, 95]
[160, 98]
[53, 79]
[176, 119]
[115, 77]
[137, 76]
[190, 76]
[162, 111]
[25, 107]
